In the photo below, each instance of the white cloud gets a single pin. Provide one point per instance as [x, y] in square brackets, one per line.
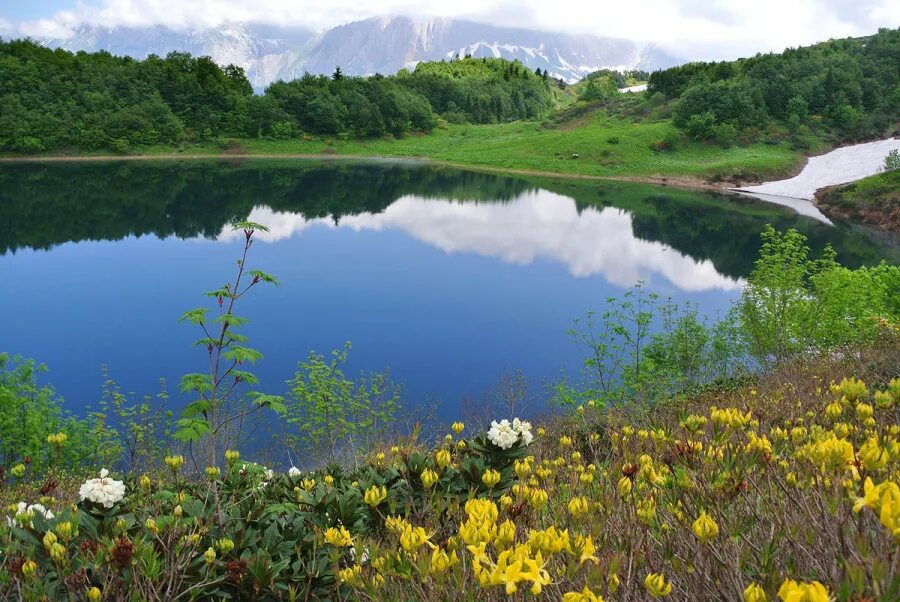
[694, 28]
[538, 224]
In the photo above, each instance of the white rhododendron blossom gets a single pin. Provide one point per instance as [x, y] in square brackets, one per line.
[504, 434]
[523, 427]
[25, 512]
[294, 472]
[103, 491]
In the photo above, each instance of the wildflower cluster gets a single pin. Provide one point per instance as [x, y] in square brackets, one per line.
[687, 501]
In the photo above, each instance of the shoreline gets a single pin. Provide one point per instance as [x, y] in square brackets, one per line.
[686, 182]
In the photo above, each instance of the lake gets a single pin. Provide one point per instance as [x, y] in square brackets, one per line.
[448, 278]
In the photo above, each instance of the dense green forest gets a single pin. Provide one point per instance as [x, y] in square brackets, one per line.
[850, 86]
[53, 99]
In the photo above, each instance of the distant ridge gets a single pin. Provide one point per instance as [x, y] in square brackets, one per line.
[375, 45]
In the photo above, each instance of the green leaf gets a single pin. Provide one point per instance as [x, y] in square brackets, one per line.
[194, 316]
[242, 354]
[264, 277]
[191, 429]
[195, 382]
[247, 225]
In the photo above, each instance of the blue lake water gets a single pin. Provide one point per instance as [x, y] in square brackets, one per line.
[447, 278]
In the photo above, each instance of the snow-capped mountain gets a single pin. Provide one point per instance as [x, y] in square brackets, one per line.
[376, 45]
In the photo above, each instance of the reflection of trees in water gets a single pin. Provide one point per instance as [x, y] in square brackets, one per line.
[731, 238]
[42, 205]
[45, 205]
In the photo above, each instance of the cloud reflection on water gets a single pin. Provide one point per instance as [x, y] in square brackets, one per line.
[537, 224]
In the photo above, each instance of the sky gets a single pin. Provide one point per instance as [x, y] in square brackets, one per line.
[704, 29]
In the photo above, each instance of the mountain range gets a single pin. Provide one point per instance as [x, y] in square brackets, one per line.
[376, 45]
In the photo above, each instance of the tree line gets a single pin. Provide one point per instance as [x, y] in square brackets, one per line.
[850, 87]
[55, 99]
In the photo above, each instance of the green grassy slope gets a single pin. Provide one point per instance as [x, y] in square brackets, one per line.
[537, 147]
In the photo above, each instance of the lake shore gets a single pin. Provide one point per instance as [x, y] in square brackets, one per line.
[687, 182]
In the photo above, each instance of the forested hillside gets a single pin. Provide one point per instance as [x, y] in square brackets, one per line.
[851, 86]
[804, 99]
[53, 99]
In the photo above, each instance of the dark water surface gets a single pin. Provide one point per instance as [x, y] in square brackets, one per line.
[448, 278]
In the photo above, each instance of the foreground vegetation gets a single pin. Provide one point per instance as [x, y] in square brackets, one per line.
[695, 459]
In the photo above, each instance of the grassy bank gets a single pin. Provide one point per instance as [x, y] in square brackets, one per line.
[598, 146]
[872, 201]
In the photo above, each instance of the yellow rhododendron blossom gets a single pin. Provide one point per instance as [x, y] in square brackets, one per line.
[791, 591]
[458, 427]
[441, 562]
[657, 586]
[705, 528]
[429, 478]
[585, 595]
[490, 478]
[338, 537]
[374, 495]
[578, 506]
[754, 593]
[442, 458]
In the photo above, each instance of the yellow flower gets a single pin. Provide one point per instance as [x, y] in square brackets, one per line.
[872, 455]
[646, 511]
[506, 533]
[490, 478]
[705, 528]
[538, 498]
[232, 456]
[834, 410]
[64, 530]
[429, 478]
[540, 431]
[505, 501]
[657, 586]
[375, 495]
[225, 545]
[863, 412]
[49, 539]
[565, 441]
[145, 482]
[442, 458]
[151, 526]
[209, 555]
[612, 582]
[458, 427]
[338, 537]
[578, 506]
[441, 561]
[413, 538]
[585, 548]
[585, 595]
[791, 591]
[350, 574]
[329, 480]
[174, 462]
[308, 484]
[624, 487]
[213, 472]
[754, 593]
[550, 540]
[94, 594]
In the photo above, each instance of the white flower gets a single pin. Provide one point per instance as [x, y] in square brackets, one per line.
[269, 474]
[26, 512]
[294, 472]
[523, 427]
[502, 434]
[103, 491]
